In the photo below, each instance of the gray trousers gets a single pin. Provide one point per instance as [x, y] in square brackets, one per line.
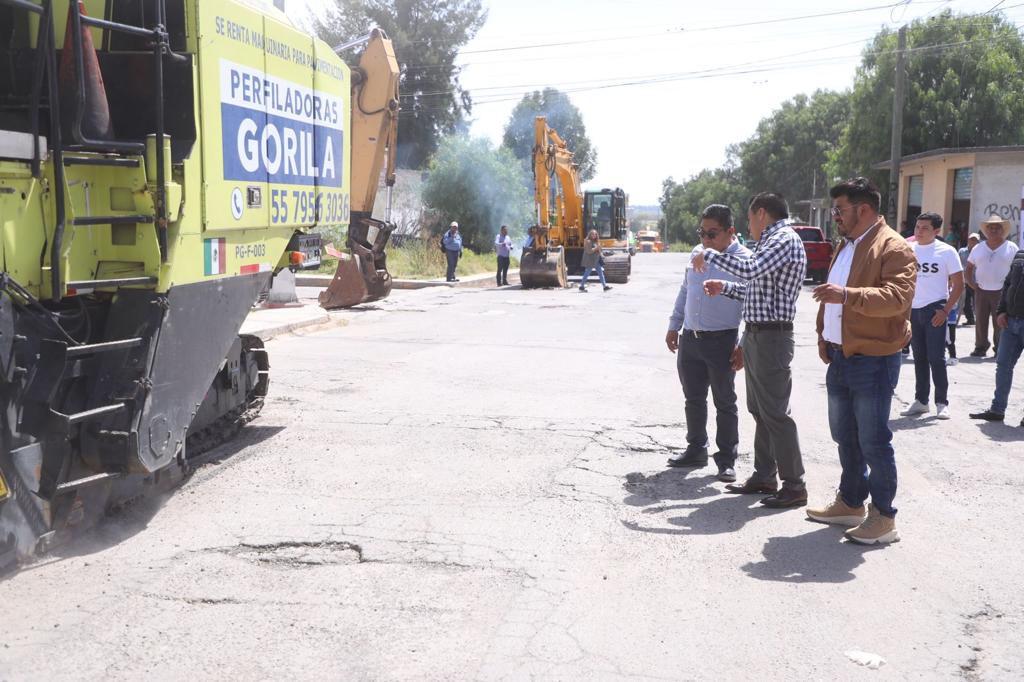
[703, 362]
[767, 355]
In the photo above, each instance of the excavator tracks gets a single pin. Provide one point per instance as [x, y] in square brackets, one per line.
[254, 369]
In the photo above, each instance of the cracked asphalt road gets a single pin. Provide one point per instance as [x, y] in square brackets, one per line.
[469, 484]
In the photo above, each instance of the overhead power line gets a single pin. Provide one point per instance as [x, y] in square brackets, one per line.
[726, 70]
[968, 19]
[682, 30]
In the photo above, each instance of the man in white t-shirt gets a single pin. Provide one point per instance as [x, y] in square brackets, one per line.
[940, 280]
[987, 267]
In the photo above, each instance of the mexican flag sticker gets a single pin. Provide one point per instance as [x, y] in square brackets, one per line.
[214, 257]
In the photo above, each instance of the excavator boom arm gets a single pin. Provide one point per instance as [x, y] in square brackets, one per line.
[362, 275]
[374, 120]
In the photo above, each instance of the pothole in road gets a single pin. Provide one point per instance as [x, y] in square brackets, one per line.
[298, 554]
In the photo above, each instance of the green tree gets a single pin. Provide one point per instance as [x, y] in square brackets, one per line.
[480, 186]
[965, 76]
[563, 116]
[682, 203]
[792, 145]
[426, 35]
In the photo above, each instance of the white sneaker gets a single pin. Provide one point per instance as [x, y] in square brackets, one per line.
[941, 411]
[915, 409]
[951, 361]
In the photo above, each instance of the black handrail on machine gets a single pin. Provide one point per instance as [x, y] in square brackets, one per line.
[46, 59]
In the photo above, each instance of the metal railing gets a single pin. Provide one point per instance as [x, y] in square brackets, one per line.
[45, 60]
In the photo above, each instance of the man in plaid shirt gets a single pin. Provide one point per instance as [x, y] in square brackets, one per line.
[772, 276]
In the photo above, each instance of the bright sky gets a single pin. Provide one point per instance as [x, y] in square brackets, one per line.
[713, 69]
[718, 78]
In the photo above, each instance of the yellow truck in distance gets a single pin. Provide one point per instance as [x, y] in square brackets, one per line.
[649, 241]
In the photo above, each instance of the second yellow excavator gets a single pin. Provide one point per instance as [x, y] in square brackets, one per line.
[566, 214]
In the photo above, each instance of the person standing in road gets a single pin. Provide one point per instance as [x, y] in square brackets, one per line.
[709, 355]
[967, 298]
[1009, 318]
[771, 277]
[862, 327]
[503, 245]
[987, 267]
[592, 260]
[940, 280]
[452, 244]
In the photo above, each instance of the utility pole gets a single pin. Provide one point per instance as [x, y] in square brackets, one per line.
[896, 149]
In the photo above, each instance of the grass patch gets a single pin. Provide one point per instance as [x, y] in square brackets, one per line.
[680, 247]
[424, 260]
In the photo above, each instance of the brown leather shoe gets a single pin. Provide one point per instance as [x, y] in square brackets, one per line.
[750, 487]
[786, 498]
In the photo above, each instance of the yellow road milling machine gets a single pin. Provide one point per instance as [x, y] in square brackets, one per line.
[160, 160]
[566, 214]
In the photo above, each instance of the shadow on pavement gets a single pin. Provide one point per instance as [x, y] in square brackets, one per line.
[819, 556]
[1003, 433]
[912, 423]
[670, 484]
[725, 514]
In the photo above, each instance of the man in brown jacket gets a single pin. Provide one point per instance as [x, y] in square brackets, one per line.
[863, 325]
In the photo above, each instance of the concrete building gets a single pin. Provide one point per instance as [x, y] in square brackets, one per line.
[965, 186]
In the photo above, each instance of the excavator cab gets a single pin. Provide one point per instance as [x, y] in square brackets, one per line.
[605, 211]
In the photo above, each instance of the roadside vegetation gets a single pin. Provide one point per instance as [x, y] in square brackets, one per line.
[964, 77]
[417, 259]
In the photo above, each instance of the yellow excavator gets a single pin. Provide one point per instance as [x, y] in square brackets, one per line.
[566, 214]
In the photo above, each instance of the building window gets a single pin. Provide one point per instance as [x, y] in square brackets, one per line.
[960, 216]
[915, 192]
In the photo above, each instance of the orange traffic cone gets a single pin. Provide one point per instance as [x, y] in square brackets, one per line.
[96, 116]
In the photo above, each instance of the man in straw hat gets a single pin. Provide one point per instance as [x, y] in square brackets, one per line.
[987, 267]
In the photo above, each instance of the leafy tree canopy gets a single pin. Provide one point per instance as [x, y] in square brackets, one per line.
[478, 185]
[682, 203]
[563, 116]
[427, 35]
[791, 146]
[965, 76]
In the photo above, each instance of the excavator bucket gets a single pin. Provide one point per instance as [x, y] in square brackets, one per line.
[543, 269]
[362, 276]
[348, 288]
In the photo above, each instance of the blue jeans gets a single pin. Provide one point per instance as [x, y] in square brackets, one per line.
[1011, 343]
[860, 391]
[586, 274]
[929, 345]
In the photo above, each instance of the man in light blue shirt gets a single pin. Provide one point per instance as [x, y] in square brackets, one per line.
[452, 243]
[503, 245]
[709, 355]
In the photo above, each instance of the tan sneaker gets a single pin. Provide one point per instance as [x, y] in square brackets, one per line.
[876, 529]
[837, 512]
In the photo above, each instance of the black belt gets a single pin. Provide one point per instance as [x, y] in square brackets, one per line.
[769, 326]
[697, 334]
[833, 347]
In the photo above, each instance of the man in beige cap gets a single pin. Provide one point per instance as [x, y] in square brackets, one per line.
[987, 267]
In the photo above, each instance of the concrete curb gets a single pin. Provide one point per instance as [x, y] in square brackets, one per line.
[266, 329]
[322, 281]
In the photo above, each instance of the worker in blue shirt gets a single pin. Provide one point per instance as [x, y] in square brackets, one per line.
[705, 331]
[531, 236]
[452, 243]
